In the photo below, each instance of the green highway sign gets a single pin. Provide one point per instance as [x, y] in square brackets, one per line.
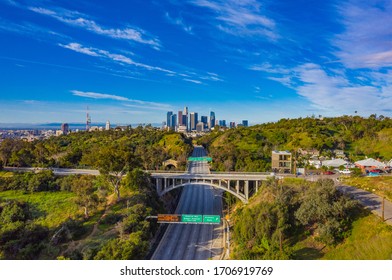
[199, 159]
[213, 219]
[191, 218]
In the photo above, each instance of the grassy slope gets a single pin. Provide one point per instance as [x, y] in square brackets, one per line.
[50, 208]
[370, 239]
[381, 185]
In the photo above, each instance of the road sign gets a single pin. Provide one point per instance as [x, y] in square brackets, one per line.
[213, 219]
[199, 159]
[169, 218]
[192, 218]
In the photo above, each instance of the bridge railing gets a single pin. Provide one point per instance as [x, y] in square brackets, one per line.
[165, 171]
[245, 173]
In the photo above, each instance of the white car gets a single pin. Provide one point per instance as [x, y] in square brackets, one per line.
[345, 171]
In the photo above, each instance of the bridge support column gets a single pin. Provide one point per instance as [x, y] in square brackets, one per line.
[164, 183]
[246, 190]
[237, 186]
[257, 186]
[157, 186]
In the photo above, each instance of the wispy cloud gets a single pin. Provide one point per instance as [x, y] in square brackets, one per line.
[366, 39]
[31, 30]
[118, 58]
[140, 103]
[239, 18]
[269, 68]
[96, 95]
[335, 93]
[193, 81]
[77, 19]
[80, 49]
[179, 21]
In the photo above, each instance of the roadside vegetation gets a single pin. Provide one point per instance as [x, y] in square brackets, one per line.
[295, 219]
[380, 185]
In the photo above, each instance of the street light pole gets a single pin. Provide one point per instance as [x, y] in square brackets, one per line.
[383, 209]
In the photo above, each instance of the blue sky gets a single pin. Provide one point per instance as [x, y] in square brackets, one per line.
[132, 61]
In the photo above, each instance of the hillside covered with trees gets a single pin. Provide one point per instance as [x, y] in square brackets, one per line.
[142, 147]
[44, 216]
[249, 149]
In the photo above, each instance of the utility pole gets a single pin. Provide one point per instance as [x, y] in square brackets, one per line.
[383, 208]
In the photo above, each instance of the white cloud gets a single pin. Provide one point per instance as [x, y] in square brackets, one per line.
[80, 49]
[179, 21]
[366, 39]
[193, 81]
[76, 19]
[119, 58]
[269, 68]
[96, 95]
[212, 77]
[336, 93]
[239, 18]
[141, 103]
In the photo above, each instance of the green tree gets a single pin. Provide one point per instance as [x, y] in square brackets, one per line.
[328, 210]
[137, 179]
[131, 248]
[85, 193]
[113, 161]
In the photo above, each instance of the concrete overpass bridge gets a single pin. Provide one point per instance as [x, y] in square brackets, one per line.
[241, 185]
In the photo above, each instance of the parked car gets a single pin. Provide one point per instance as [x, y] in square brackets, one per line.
[376, 170]
[345, 171]
[328, 172]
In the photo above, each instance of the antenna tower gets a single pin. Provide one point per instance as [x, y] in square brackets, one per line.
[88, 120]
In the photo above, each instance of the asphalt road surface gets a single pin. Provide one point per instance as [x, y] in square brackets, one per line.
[370, 201]
[194, 241]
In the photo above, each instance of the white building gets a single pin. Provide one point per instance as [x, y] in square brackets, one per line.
[335, 162]
[370, 163]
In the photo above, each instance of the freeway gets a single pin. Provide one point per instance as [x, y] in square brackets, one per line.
[194, 241]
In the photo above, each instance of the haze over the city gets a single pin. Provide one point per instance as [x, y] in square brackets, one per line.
[132, 61]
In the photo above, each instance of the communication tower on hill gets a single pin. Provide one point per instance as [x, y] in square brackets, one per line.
[88, 120]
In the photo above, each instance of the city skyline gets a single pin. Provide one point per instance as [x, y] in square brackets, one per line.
[244, 60]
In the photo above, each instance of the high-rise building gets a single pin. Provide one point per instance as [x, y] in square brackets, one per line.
[222, 123]
[185, 118]
[173, 122]
[245, 123]
[107, 126]
[179, 118]
[232, 124]
[204, 120]
[185, 122]
[193, 120]
[168, 118]
[65, 128]
[212, 120]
